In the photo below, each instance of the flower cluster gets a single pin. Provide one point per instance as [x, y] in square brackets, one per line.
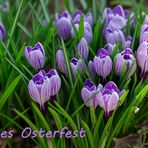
[106, 97]
[42, 86]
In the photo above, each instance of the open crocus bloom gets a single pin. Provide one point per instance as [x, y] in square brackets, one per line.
[125, 57]
[90, 91]
[102, 63]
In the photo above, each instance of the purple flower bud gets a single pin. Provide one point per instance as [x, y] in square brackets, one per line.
[89, 18]
[106, 12]
[35, 56]
[83, 48]
[91, 68]
[114, 36]
[102, 63]
[125, 57]
[110, 98]
[90, 91]
[64, 28]
[2, 32]
[146, 19]
[40, 89]
[142, 57]
[144, 33]
[75, 65]
[109, 47]
[60, 60]
[128, 41]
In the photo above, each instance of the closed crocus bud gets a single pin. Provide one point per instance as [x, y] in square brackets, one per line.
[64, 28]
[83, 48]
[114, 36]
[106, 12]
[40, 89]
[102, 63]
[142, 57]
[92, 93]
[110, 47]
[2, 32]
[75, 65]
[125, 57]
[91, 68]
[89, 18]
[60, 60]
[55, 82]
[144, 33]
[35, 56]
[109, 99]
[128, 41]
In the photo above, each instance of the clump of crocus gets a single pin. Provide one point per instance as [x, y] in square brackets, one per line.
[126, 58]
[83, 48]
[91, 93]
[35, 56]
[106, 97]
[64, 26]
[142, 58]
[102, 63]
[76, 64]
[60, 60]
[2, 32]
[43, 86]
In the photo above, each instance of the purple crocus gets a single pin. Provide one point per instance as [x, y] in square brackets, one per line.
[142, 57]
[40, 89]
[60, 60]
[102, 63]
[114, 36]
[125, 57]
[75, 65]
[83, 48]
[128, 41]
[35, 56]
[109, 98]
[89, 18]
[91, 92]
[2, 32]
[64, 26]
[91, 68]
[77, 15]
[144, 33]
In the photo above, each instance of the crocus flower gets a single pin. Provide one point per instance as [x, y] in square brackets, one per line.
[35, 56]
[83, 48]
[89, 18]
[110, 47]
[64, 26]
[142, 57]
[125, 57]
[102, 63]
[109, 98]
[144, 33]
[75, 65]
[60, 60]
[91, 68]
[40, 89]
[2, 32]
[90, 91]
[77, 15]
[114, 36]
